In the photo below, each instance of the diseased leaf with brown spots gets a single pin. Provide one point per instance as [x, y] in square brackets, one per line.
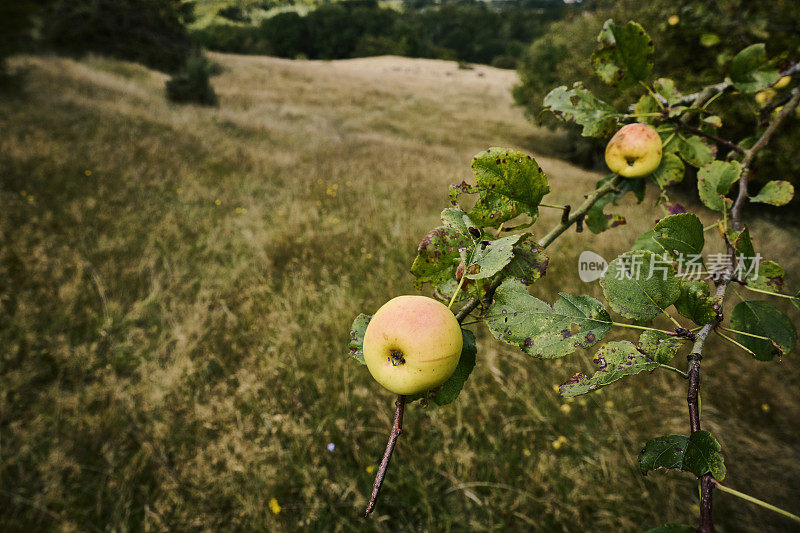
[776, 192]
[768, 278]
[578, 105]
[510, 183]
[539, 330]
[614, 360]
[438, 256]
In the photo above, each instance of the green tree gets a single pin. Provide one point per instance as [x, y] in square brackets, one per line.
[150, 32]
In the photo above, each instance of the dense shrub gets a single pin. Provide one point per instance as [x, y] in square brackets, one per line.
[15, 23]
[192, 84]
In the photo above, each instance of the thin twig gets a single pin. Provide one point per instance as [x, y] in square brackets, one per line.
[719, 140]
[397, 429]
[736, 212]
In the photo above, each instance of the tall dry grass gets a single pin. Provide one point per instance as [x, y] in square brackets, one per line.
[177, 286]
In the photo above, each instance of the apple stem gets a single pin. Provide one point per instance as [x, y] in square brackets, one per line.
[397, 429]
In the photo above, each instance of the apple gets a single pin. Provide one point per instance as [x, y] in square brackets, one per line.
[412, 344]
[762, 98]
[673, 20]
[634, 151]
[782, 82]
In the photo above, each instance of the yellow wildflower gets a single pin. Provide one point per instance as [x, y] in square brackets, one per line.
[273, 506]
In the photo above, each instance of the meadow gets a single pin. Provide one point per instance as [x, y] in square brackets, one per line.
[177, 286]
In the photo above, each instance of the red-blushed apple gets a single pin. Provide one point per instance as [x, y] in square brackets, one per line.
[412, 344]
[634, 151]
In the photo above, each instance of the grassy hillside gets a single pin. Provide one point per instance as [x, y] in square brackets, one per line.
[177, 286]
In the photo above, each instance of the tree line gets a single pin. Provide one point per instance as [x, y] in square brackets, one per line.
[470, 31]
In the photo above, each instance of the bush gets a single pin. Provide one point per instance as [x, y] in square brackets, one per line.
[192, 84]
[15, 22]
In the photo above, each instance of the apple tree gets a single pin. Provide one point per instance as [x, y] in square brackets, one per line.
[485, 259]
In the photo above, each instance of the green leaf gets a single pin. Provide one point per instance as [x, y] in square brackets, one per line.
[492, 258]
[698, 454]
[702, 456]
[452, 387]
[356, 344]
[696, 150]
[745, 254]
[510, 184]
[659, 346]
[672, 528]
[695, 302]
[598, 221]
[647, 241]
[666, 88]
[763, 319]
[624, 55]
[670, 140]
[670, 171]
[708, 40]
[676, 111]
[578, 105]
[640, 285]
[751, 70]
[615, 360]
[680, 234]
[516, 317]
[646, 105]
[458, 220]
[776, 192]
[663, 452]
[715, 180]
[529, 262]
[714, 121]
[438, 256]
[768, 278]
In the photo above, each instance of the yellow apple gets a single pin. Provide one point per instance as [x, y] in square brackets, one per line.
[412, 344]
[634, 151]
[763, 97]
[783, 82]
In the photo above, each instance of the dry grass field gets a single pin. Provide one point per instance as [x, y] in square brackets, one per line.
[177, 285]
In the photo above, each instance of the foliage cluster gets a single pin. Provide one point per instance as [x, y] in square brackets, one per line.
[468, 257]
[697, 41]
[466, 31]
